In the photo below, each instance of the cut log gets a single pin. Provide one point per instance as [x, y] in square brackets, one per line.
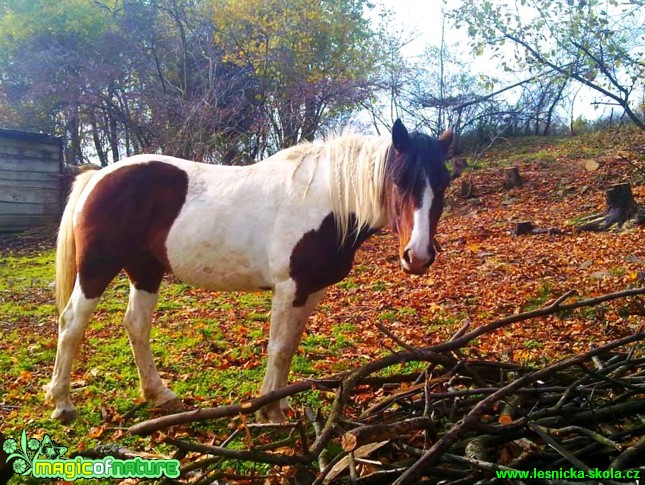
[620, 197]
[526, 227]
[512, 177]
[591, 165]
[620, 207]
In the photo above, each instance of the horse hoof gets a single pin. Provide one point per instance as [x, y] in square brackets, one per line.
[172, 406]
[65, 416]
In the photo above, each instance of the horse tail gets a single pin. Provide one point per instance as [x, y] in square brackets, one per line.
[66, 245]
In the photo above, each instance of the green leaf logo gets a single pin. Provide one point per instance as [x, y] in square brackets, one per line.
[20, 466]
[50, 449]
[9, 446]
[33, 444]
[22, 456]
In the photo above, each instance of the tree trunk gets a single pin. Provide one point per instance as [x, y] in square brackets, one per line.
[97, 140]
[556, 102]
[113, 136]
[466, 189]
[459, 164]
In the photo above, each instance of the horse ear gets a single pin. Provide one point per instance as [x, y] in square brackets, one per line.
[400, 137]
[445, 141]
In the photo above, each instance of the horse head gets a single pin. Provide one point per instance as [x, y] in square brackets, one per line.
[417, 179]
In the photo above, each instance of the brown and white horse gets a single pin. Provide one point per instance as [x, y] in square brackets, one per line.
[290, 224]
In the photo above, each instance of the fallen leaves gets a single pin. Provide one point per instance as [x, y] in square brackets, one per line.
[483, 273]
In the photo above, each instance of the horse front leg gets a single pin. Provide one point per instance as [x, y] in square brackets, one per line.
[287, 325]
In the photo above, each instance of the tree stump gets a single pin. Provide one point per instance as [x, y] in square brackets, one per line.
[620, 200]
[459, 164]
[620, 207]
[512, 177]
[466, 188]
[521, 228]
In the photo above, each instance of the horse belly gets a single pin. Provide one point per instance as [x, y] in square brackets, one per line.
[215, 265]
[220, 271]
[219, 240]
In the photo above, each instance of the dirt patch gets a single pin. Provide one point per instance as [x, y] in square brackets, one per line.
[28, 242]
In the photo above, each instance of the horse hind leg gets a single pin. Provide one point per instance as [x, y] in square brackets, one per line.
[71, 328]
[145, 278]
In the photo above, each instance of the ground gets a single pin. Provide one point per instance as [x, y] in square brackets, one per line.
[210, 346]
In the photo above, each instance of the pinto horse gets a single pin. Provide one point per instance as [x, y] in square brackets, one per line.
[290, 224]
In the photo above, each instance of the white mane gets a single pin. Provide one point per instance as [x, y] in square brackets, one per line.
[353, 167]
[355, 174]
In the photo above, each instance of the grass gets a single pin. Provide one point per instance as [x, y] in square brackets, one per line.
[203, 355]
[211, 350]
[549, 149]
[387, 315]
[347, 284]
[543, 156]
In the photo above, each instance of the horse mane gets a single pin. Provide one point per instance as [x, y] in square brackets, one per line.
[356, 177]
[354, 169]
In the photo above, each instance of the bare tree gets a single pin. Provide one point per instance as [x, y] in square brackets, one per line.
[595, 43]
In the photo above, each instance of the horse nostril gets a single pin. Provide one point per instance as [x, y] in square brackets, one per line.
[406, 256]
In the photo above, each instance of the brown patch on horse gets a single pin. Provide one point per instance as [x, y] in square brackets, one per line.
[124, 224]
[402, 218]
[319, 259]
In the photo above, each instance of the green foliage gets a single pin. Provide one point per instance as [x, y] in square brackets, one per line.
[295, 41]
[544, 156]
[387, 315]
[347, 284]
[24, 19]
[311, 58]
[533, 344]
[46, 51]
[581, 125]
[545, 293]
[226, 81]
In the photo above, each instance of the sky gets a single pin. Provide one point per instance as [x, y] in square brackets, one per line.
[424, 18]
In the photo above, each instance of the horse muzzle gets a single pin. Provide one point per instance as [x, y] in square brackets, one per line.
[412, 264]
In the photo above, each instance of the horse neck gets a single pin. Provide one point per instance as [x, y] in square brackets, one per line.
[356, 181]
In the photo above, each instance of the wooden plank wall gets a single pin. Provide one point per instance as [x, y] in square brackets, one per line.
[29, 182]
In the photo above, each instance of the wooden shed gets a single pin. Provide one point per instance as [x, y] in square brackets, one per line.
[30, 180]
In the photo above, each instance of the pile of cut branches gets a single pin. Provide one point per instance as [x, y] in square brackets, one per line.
[460, 420]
